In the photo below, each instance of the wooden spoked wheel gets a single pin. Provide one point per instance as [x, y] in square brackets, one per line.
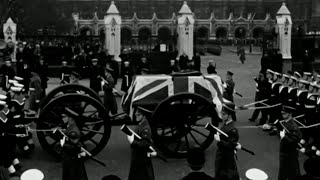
[67, 89]
[90, 116]
[178, 124]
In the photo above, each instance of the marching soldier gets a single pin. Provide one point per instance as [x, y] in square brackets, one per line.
[73, 164]
[307, 76]
[64, 73]
[275, 112]
[141, 164]
[225, 156]
[289, 149]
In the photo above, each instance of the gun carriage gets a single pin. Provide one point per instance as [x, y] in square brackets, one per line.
[178, 108]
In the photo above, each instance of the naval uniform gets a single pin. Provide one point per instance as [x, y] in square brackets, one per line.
[289, 162]
[225, 156]
[141, 165]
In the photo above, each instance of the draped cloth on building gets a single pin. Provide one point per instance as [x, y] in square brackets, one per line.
[149, 90]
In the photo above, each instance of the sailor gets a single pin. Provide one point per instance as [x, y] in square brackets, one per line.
[256, 174]
[32, 174]
[64, 73]
[141, 164]
[73, 164]
[275, 112]
[127, 75]
[74, 77]
[289, 149]
[225, 157]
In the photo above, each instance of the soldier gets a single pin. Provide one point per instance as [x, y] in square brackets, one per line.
[141, 164]
[225, 157]
[229, 90]
[35, 91]
[73, 164]
[211, 69]
[289, 163]
[43, 73]
[197, 62]
[127, 75]
[74, 77]
[64, 73]
[95, 72]
[275, 112]
[108, 85]
[196, 160]
[261, 94]
[7, 72]
[307, 76]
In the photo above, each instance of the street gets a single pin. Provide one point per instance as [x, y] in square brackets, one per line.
[117, 152]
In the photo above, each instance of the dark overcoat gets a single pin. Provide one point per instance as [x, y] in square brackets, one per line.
[141, 165]
[289, 162]
[225, 156]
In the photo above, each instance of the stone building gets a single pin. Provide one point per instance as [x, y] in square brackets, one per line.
[214, 19]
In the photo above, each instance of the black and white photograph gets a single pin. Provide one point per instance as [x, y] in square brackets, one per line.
[159, 89]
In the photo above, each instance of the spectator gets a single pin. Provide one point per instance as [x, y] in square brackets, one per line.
[196, 160]
[43, 70]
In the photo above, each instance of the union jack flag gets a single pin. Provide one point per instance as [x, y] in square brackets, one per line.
[150, 90]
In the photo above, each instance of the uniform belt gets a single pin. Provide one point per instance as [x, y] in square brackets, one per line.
[298, 104]
[290, 99]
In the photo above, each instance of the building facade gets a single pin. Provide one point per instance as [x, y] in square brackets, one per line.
[214, 19]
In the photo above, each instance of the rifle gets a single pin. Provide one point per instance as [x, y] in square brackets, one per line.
[211, 127]
[84, 150]
[129, 132]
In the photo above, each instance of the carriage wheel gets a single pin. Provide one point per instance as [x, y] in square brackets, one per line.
[91, 118]
[69, 88]
[178, 124]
